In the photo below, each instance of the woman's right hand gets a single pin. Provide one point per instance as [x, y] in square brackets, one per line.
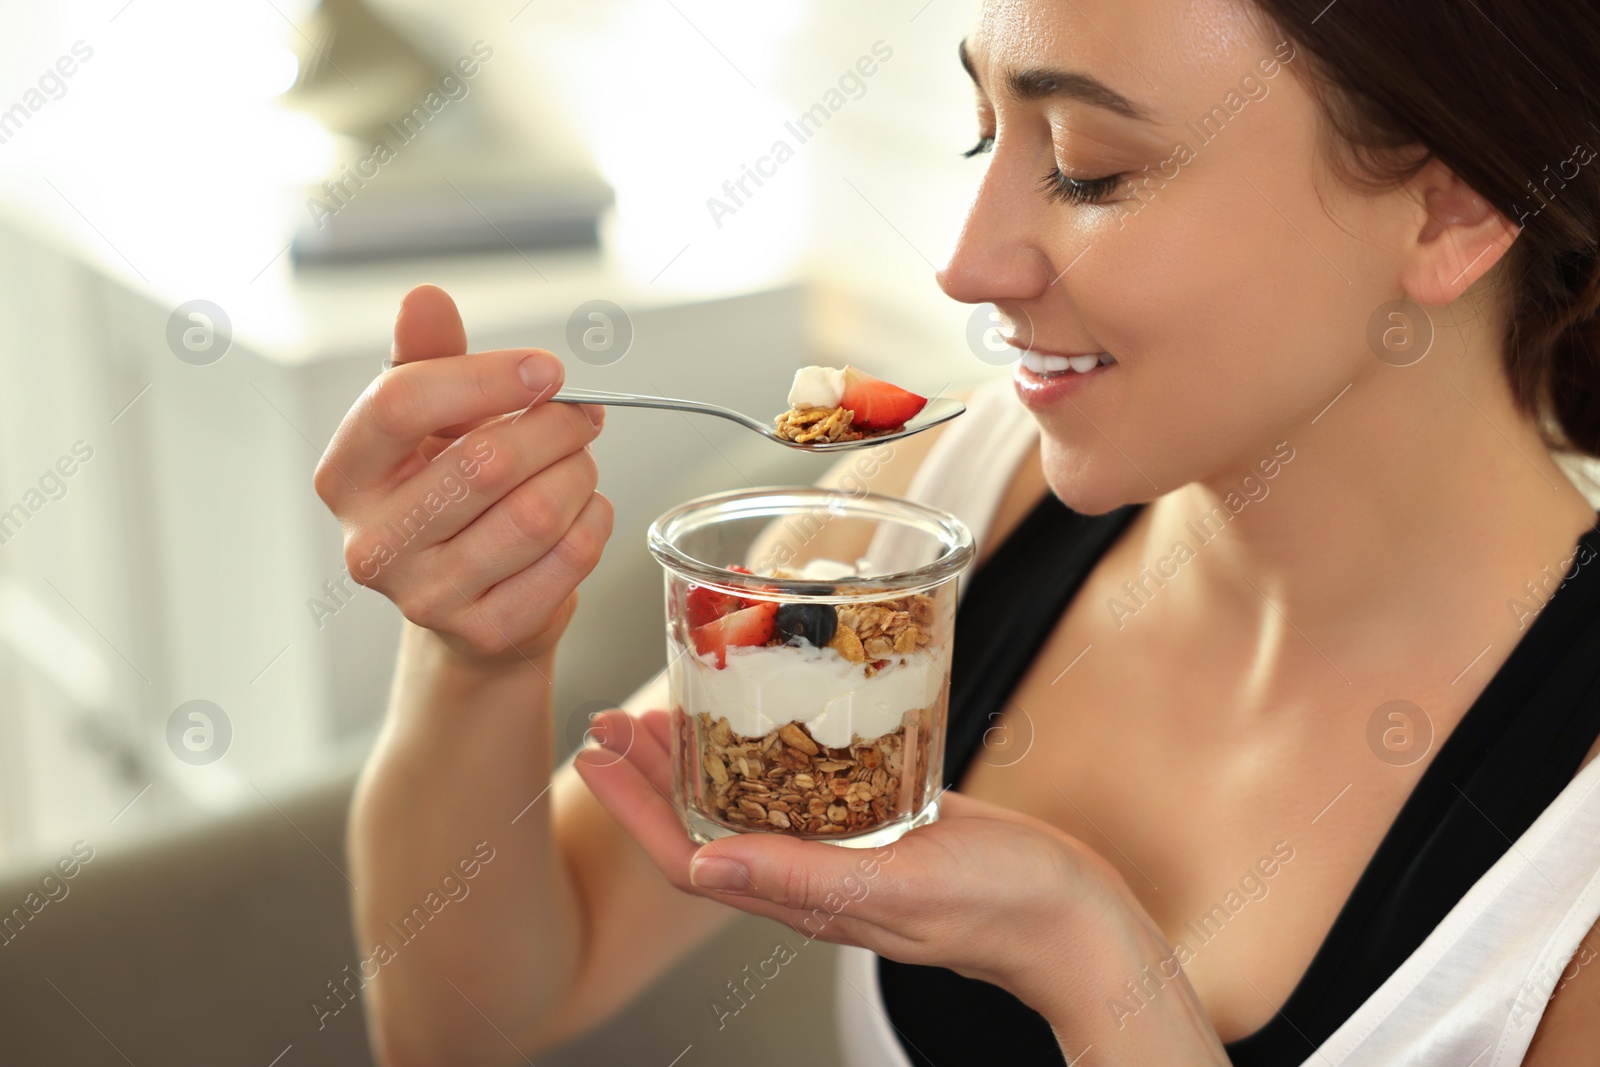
[465, 497]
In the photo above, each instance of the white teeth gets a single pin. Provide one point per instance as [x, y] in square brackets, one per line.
[1045, 366]
[1042, 364]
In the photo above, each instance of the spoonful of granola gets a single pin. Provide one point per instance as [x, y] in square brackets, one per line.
[831, 409]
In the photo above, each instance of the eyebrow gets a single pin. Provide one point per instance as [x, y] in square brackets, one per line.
[1043, 83]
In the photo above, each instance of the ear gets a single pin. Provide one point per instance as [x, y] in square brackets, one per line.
[1460, 238]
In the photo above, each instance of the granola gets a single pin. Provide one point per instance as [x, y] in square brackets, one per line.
[872, 632]
[809, 425]
[785, 781]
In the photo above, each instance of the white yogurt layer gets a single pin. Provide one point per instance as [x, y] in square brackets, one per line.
[817, 387]
[762, 688]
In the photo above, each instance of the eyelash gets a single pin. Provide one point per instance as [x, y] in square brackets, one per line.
[1062, 189]
[983, 145]
[1058, 187]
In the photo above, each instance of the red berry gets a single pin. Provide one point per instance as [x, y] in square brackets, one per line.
[875, 404]
[745, 602]
[703, 605]
[753, 625]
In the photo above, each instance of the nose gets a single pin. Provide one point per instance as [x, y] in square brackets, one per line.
[996, 258]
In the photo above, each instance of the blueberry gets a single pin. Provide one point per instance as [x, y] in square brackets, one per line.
[812, 588]
[815, 623]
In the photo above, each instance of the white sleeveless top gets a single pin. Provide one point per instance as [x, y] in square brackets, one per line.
[1474, 990]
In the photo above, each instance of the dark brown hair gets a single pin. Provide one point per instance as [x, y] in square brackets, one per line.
[1505, 94]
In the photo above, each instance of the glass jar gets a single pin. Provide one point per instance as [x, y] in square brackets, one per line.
[808, 694]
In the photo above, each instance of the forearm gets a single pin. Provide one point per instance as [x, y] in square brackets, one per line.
[464, 752]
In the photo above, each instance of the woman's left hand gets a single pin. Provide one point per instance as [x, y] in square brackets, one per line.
[986, 892]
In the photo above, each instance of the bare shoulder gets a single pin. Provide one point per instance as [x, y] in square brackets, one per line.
[890, 469]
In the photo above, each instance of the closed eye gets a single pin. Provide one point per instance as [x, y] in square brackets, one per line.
[1058, 187]
[1062, 189]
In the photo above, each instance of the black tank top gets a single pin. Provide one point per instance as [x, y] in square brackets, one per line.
[1513, 751]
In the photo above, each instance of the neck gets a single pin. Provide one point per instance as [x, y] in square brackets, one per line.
[1413, 480]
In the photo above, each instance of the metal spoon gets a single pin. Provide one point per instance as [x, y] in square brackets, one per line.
[939, 409]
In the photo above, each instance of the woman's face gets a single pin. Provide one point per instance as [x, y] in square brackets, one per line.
[1227, 272]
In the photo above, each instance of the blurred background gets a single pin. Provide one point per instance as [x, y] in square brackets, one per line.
[209, 210]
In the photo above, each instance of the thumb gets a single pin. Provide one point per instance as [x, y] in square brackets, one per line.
[428, 326]
[791, 874]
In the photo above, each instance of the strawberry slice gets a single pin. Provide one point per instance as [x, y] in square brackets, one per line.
[745, 602]
[703, 605]
[876, 404]
[753, 625]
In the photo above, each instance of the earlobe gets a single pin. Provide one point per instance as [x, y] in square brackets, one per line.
[1462, 237]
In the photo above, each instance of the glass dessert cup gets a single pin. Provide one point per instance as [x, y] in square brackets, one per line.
[808, 695]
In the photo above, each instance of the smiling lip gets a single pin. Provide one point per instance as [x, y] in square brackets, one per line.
[1048, 351]
[1040, 392]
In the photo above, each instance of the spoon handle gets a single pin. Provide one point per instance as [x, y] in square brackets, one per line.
[646, 400]
[601, 396]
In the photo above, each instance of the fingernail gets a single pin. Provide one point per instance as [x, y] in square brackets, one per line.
[607, 737]
[596, 413]
[538, 372]
[717, 872]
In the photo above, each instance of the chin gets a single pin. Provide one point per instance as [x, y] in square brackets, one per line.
[1091, 478]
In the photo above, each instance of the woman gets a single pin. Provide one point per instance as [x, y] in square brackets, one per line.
[1328, 756]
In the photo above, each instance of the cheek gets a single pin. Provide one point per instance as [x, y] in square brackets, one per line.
[1222, 308]
[1200, 306]
[1233, 324]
